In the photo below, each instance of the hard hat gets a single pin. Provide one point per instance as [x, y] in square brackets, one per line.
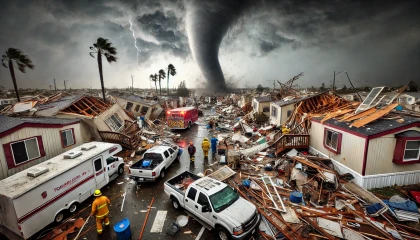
[97, 193]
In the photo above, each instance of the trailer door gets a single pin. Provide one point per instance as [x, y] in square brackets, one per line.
[99, 173]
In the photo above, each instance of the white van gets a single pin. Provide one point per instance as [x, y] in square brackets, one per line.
[37, 196]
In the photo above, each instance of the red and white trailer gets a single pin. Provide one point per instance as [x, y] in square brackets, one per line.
[181, 118]
[37, 196]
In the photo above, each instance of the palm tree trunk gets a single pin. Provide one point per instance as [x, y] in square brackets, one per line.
[12, 72]
[167, 83]
[101, 74]
[160, 88]
[156, 89]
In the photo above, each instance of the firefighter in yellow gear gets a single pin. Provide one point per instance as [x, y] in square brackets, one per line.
[100, 210]
[205, 145]
[285, 129]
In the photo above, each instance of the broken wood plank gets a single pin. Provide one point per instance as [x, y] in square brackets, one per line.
[374, 116]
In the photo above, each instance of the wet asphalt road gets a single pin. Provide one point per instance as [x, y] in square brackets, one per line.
[138, 198]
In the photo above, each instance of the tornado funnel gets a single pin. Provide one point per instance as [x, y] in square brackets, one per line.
[207, 23]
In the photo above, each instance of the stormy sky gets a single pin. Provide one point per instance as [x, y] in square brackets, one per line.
[255, 41]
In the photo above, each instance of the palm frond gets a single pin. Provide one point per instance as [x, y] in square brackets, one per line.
[21, 67]
[26, 61]
[3, 62]
[110, 58]
[112, 50]
[95, 45]
[162, 73]
[91, 54]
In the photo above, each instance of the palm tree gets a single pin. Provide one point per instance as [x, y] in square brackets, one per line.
[153, 78]
[162, 75]
[22, 61]
[171, 71]
[103, 47]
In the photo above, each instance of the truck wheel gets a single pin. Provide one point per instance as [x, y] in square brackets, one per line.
[73, 207]
[189, 124]
[222, 234]
[162, 173]
[120, 169]
[59, 217]
[175, 204]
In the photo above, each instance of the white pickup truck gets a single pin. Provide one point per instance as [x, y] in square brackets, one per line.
[214, 204]
[154, 163]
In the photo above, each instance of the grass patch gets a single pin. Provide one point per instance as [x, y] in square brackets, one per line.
[385, 192]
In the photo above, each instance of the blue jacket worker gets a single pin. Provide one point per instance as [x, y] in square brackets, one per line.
[213, 144]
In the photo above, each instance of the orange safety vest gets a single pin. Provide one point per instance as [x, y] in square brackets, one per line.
[100, 206]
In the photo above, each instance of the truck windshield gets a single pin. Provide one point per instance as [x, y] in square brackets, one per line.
[223, 199]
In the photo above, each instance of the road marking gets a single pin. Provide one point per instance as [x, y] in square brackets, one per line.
[200, 233]
[159, 221]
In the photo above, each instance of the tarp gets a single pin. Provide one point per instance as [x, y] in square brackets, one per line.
[407, 205]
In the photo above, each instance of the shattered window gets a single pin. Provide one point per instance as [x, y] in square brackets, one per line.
[144, 109]
[331, 139]
[266, 109]
[411, 151]
[289, 112]
[114, 122]
[137, 108]
[129, 106]
[223, 199]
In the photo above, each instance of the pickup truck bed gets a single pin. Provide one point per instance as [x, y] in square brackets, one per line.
[179, 180]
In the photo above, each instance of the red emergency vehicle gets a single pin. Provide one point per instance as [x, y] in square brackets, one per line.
[181, 118]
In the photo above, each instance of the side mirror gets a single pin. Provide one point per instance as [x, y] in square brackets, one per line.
[205, 208]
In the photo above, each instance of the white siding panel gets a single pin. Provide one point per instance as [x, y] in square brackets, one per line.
[52, 144]
[380, 154]
[352, 147]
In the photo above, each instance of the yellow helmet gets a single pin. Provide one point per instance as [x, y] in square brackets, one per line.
[97, 193]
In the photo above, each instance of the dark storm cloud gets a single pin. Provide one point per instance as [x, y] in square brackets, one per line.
[164, 27]
[375, 40]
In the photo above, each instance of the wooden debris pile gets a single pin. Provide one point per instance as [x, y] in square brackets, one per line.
[328, 106]
[303, 197]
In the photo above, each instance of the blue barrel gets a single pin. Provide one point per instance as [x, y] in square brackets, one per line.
[296, 197]
[122, 229]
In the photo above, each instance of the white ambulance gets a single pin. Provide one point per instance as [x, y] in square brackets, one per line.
[37, 196]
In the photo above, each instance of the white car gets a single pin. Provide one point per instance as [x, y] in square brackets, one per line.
[154, 163]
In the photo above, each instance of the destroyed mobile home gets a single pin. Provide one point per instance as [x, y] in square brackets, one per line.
[317, 192]
[306, 169]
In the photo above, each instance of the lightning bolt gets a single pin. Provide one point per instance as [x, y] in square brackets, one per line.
[135, 40]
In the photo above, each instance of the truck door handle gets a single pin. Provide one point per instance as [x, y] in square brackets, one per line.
[186, 200]
[214, 217]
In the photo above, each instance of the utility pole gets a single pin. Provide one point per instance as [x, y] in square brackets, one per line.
[334, 84]
[50, 87]
[132, 89]
[55, 86]
[353, 87]
[65, 87]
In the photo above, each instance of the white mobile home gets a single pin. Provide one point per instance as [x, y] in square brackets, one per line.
[30, 141]
[383, 153]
